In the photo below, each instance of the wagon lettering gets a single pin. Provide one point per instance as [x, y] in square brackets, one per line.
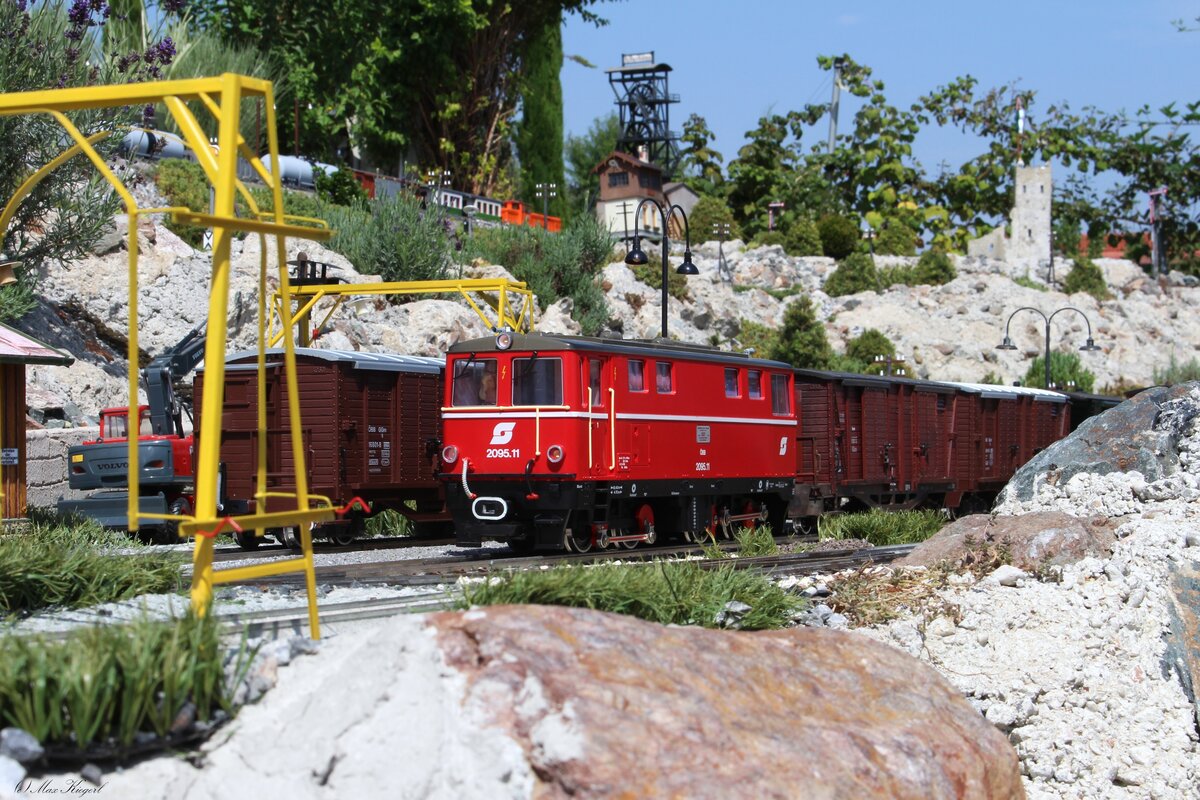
[703, 434]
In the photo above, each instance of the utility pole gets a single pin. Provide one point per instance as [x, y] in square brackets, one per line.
[545, 191]
[1158, 248]
[838, 64]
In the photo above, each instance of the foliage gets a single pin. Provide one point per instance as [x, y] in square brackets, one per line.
[801, 340]
[992, 378]
[882, 528]
[839, 236]
[388, 522]
[392, 237]
[699, 164]
[670, 593]
[48, 45]
[768, 239]
[1086, 277]
[650, 274]
[439, 81]
[109, 683]
[863, 349]
[1065, 369]
[555, 265]
[183, 183]
[1178, 372]
[61, 564]
[803, 238]
[934, 267]
[757, 337]
[896, 239]
[539, 135]
[300, 204]
[755, 542]
[341, 188]
[583, 153]
[1029, 283]
[709, 212]
[855, 274]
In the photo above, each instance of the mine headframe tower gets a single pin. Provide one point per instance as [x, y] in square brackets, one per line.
[644, 103]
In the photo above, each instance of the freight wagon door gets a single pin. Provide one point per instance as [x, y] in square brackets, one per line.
[379, 455]
[879, 441]
[596, 380]
[813, 433]
[930, 450]
[989, 440]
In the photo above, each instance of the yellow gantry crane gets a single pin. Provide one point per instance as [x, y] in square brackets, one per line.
[220, 97]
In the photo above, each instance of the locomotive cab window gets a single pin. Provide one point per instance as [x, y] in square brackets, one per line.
[664, 381]
[537, 381]
[595, 370]
[637, 375]
[731, 382]
[781, 402]
[474, 382]
[754, 384]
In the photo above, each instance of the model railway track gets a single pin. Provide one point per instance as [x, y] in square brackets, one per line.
[266, 551]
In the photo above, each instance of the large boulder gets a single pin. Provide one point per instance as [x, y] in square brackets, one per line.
[1034, 540]
[521, 701]
[1150, 434]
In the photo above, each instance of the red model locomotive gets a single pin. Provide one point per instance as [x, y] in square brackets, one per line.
[562, 441]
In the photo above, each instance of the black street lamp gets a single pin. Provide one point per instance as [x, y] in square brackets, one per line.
[637, 257]
[1007, 344]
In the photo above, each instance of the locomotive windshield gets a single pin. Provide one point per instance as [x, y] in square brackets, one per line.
[475, 382]
[537, 382]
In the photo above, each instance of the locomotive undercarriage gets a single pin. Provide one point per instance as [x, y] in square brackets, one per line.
[579, 515]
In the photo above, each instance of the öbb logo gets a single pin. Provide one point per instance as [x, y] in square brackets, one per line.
[503, 432]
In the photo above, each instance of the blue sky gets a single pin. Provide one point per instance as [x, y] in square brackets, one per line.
[736, 61]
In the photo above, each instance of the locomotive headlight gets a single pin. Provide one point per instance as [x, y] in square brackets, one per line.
[555, 453]
[449, 454]
[503, 340]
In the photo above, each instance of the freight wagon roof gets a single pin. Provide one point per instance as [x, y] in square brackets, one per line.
[1010, 392]
[858, 379]
[378, 362]
[545, 342]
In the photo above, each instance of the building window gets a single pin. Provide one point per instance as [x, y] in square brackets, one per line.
[649, 181]
[663, 380]
[618, 179]
[731, 382]
[754, 381]
[637, 376]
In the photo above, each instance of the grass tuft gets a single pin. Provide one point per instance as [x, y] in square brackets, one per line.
[883, 528]
[60, 564]
[103, 686]
[679, 593]
[756, 542]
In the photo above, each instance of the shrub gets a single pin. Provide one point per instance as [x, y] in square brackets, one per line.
[863, 349]
[707, 212]
[839, 236]
[935, 267]
[768, 239]
[992, 379]
[650, 274]
[184, 183]
[801, 340]
[1086, 277]
[1178, 372]
[391, 237]
[898, 275]
[896, 239]
[679, 593]
[1029, 283]
[300, 204]
[341, 188]
[883, 528]
[803, 238]
[855, 274]
[1065, 368]
[756, 336]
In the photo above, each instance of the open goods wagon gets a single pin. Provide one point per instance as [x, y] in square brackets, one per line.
[371, 430]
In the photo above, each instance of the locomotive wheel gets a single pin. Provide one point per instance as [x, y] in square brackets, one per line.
[577, 543]
[645, 523]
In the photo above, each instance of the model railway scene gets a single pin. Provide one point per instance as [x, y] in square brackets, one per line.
[376, 423]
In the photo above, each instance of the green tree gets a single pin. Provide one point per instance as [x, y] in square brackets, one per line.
[583, 153]
[896, 239]
[803, 238]
[709, 212]
[539, 136]
[340, 188]
[1065, 369]
[855, 274]
[757, 337]
[802, 341]
[1087, 277]
[700, 165]
[863, 349]
[934, 267]
[839, 236]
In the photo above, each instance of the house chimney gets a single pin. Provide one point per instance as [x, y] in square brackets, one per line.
[643, 153]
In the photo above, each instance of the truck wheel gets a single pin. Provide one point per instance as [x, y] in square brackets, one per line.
[168, 532]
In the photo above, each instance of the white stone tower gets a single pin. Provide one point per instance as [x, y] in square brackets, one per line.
[1029, 240]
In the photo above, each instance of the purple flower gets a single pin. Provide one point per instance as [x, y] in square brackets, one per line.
[174, 6]
[79, 14]
[148, 116]
[22, 5]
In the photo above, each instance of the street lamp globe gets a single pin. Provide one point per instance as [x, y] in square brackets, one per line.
[687, 267]
[1007, 344]
[1090, 346]
[636, 257]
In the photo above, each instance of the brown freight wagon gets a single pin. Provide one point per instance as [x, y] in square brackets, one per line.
[371, 429]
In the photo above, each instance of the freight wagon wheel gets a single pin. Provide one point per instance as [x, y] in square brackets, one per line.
[246, 540]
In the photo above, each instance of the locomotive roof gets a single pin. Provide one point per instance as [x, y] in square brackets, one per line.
[380, 362]
[634, 347]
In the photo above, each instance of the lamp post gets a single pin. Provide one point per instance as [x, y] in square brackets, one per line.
[1007, 344]
[637, 257]
[545, 191]
[869, 234]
